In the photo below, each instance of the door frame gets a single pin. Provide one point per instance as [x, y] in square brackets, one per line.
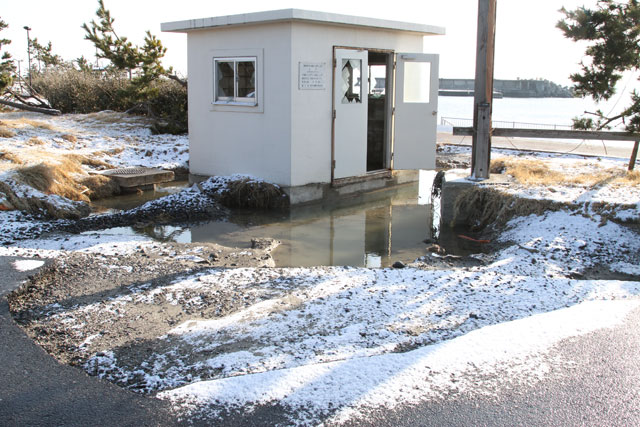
[389, 87]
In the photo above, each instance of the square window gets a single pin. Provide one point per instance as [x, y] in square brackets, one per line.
[235, 81]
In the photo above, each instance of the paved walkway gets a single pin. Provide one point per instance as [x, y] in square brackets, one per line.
[35, 390]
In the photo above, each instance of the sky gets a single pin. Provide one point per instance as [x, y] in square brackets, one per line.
[527, 43]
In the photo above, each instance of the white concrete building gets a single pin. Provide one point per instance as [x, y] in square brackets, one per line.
[308, 100]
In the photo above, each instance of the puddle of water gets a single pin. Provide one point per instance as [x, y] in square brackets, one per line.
[375, 233]
[133, 200]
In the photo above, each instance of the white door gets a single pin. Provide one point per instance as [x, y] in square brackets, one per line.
[350, 103]
[416, 111]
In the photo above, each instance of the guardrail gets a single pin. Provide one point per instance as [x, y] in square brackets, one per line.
[458, 122]
[561, 134]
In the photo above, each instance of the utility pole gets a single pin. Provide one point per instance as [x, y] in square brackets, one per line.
[483, 90]
[26, 27]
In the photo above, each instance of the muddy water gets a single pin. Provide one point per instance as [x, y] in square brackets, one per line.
[372, 234]
[375, 234]
[133, 200]
[394, 227]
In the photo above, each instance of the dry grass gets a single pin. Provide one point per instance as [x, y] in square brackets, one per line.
[34, 140]
[6, 133]
[247, 193]
[111, 152]
[631, 177]
[65, 176]
[69, 138]
[89, 161]
[100, 187]
[537, 173]
[11, 157]
[480, 207]
[22, 122]
[55, 178]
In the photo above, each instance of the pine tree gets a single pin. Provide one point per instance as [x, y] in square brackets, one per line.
[7, 67]
[44, 54]
[612, 29]
[121, 53]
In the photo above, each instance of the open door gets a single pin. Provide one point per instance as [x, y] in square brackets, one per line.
[350, 113]
[416, 110]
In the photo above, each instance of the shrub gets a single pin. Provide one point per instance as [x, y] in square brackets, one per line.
[75, 91]
[81, 91]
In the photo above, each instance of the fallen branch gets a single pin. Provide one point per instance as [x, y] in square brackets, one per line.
[25, 101]
[182, 82]
[49, 111]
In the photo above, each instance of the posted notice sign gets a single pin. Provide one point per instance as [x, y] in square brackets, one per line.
[311, 76]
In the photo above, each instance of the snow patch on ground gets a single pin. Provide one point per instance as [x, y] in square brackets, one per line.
[119, 139]
[329, 340]
[27, 265]
[345, 389]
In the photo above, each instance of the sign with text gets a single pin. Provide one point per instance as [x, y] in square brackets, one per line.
[311, 76]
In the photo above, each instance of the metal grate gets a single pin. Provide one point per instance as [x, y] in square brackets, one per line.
[129, 171]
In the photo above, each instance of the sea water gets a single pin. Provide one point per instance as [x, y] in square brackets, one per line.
[558, 111]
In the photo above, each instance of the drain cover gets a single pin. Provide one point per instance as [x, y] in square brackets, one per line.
[138, 177]
[129, 171]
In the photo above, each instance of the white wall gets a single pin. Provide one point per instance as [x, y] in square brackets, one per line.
[258, 142]
[312, 109]
[289, 142]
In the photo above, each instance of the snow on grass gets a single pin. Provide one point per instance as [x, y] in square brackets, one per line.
[563, 244]
[604, 171]
[119, 139]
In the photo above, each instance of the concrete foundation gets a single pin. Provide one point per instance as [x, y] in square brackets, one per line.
[366, 187]
[454, 183]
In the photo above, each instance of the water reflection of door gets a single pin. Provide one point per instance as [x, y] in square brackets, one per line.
[347, 239]
[375, 236]
[377, 239]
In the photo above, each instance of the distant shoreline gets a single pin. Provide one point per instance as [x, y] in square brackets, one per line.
[527, 88]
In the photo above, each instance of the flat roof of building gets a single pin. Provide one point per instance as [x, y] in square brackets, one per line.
[291, 15]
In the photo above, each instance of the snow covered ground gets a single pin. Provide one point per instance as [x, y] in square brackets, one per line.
[336, 341]
[119, 139]
[328, 343]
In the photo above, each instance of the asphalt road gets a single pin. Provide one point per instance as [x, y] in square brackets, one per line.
[35, 390]
[621, 149]
[593, 380]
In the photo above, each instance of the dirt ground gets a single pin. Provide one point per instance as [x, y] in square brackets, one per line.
[78, 281]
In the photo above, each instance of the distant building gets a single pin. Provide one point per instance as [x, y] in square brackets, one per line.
[285, 96]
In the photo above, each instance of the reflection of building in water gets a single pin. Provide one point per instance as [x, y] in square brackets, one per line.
[372, 236]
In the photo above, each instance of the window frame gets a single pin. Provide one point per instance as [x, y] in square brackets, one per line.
[235, 99]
